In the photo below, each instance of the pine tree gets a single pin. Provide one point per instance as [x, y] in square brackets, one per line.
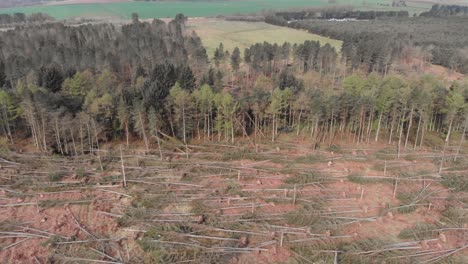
[2, 74]
[135, 19]
[181, 104]
[204, 98]
[154, 123]
[186, 78]
[219, 55]
[50, 77]
[235, 59]
[140, 122]
[123, 114]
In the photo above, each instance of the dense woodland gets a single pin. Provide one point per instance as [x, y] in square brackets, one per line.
[338, 13]
[20, 18]
[69, 89]
[376, 44]
[446, 10]
[129, 144]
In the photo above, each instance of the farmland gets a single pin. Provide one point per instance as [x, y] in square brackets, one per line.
[244, 34]
[195, 9]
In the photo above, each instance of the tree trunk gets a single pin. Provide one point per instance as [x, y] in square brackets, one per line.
[331, 129]
[421, 142]
[399, 138]
[127, 132]
[418, 130]
[143, 130]
[184, 131]
[81, 138]
[273, 132]
[232, 130]
[299, 122]
[447, 139]
[461, 141]
[159, 144]
[57, 136]
[392, 125]
[409, 126]
[97, 144]
[369, 126]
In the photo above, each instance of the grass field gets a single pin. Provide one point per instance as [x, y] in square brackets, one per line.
[193, 9]
[244, 34]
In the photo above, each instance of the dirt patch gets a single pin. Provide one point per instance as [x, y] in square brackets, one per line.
[57, 217]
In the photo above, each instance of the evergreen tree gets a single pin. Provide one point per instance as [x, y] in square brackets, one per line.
[154, 124]
[140, 121]
[2, 74]
[181, 104]
[219, 55]
[124, 116]
[235, 59]
[186, 78]
[204, 98]
[50, 77]
[135, 19]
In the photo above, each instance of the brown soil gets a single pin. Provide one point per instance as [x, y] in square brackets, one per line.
[92, 209]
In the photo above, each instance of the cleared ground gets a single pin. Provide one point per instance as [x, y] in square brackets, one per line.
[244, 34]
[239, 204]
[202, 8]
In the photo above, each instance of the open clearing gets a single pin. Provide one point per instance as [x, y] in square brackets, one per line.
[244, 34]
[193, 9]
[268, 204]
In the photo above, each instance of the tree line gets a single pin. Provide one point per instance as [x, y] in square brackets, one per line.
[446, 10]
[97, 47]
[20, 18]
[72, 105]
[89, 109]
[376, 45]
[338, 13]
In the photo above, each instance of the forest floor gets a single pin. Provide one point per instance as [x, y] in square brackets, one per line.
[418, 66]
[234, 204]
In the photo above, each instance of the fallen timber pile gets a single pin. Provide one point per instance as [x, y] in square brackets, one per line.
[212, 208]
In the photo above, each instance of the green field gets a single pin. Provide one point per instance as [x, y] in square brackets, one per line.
[244, 34]
[192, 9]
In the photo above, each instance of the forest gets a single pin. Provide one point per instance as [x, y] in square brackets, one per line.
[378, 43]
[446, 10]
[153, 80]
[338, 12]
[128, 143]
[20, 18]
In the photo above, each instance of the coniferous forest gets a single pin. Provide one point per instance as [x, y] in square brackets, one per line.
[148, 80]
[137, 142]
